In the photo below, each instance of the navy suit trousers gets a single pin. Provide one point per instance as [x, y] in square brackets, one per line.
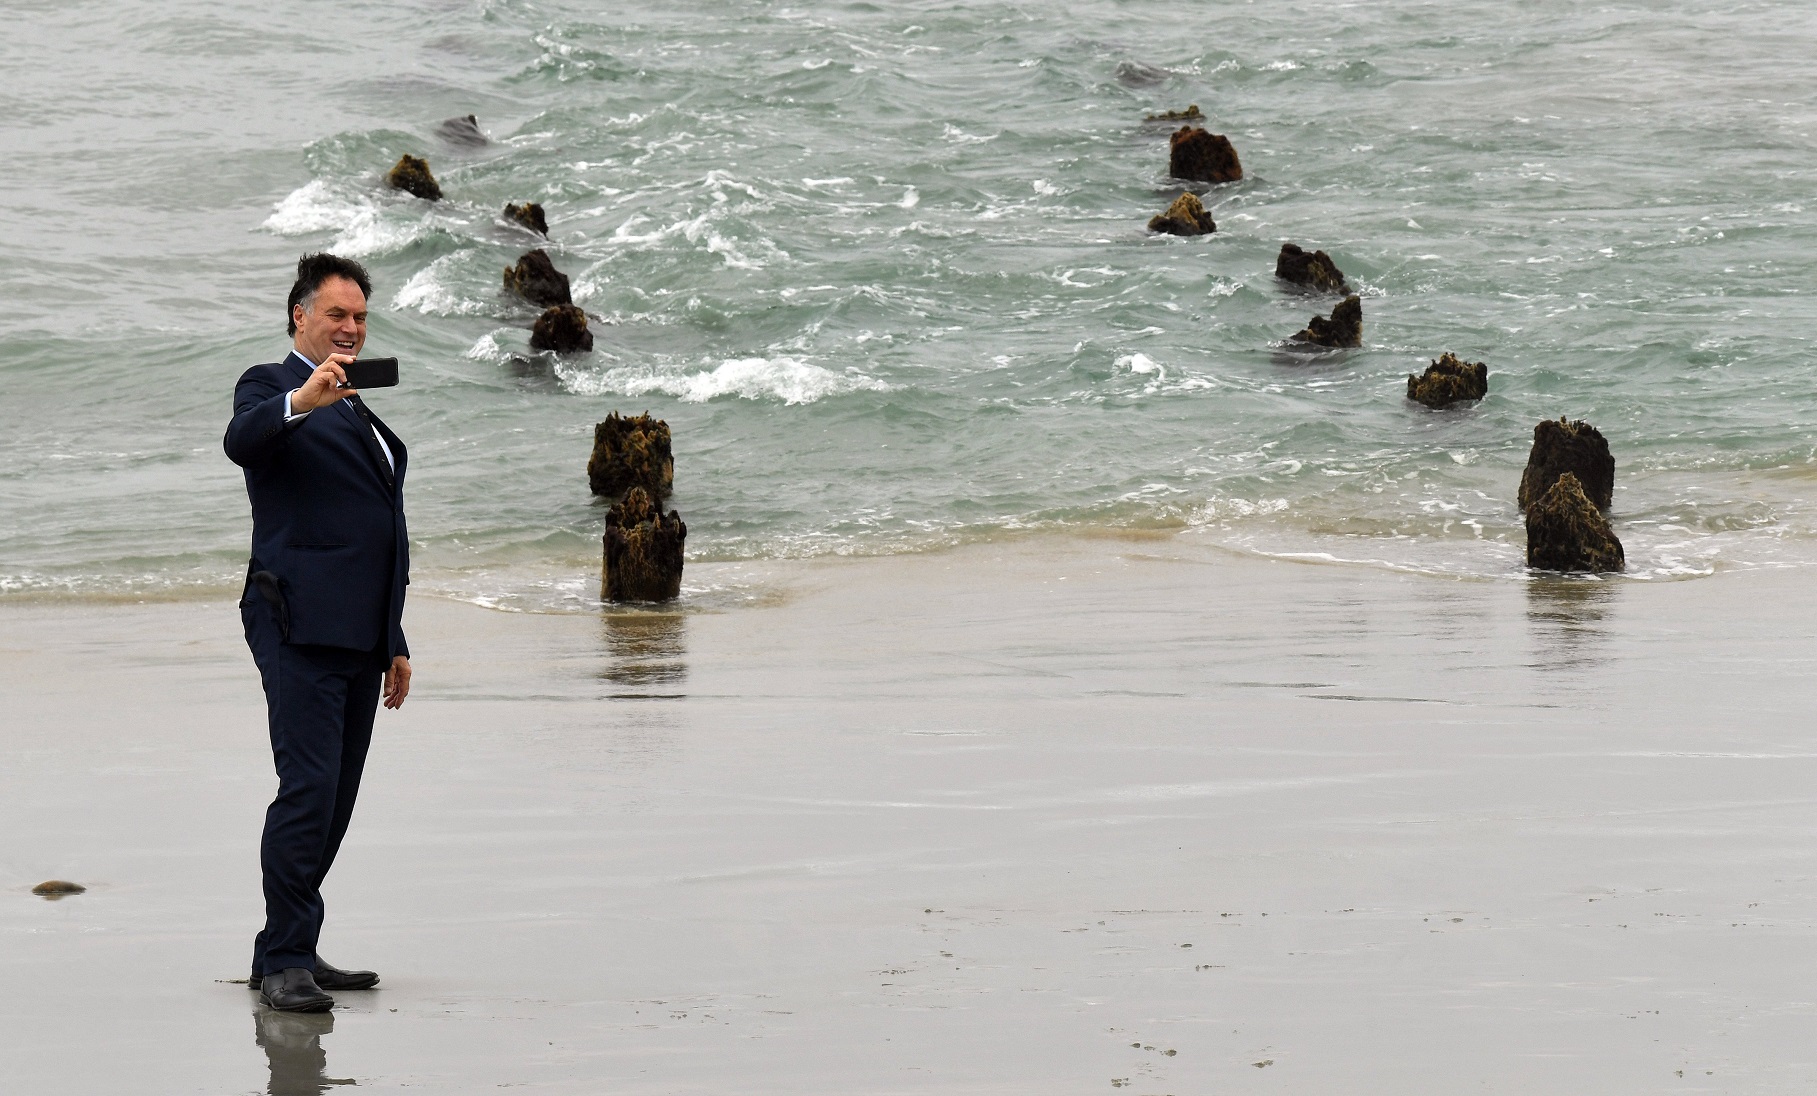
[320, 702]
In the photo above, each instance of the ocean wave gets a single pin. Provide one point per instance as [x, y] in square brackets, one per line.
[428, 291]
[361, 225]
[781, 378]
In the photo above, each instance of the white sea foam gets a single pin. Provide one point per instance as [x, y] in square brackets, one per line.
[427, 291]
[1142, 363]
[315, 206]
[789, 380]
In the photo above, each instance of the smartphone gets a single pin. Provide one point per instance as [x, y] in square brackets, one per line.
[370, 373]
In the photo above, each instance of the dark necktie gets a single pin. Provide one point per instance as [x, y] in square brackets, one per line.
[372, 439]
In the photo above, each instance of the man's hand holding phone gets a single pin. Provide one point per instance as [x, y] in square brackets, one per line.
[323, 386]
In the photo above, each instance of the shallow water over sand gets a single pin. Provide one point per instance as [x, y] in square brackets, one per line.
[883, 270]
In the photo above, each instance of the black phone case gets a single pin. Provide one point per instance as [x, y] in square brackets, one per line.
[371, 373]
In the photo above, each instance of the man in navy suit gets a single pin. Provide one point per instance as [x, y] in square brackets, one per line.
[322, 608]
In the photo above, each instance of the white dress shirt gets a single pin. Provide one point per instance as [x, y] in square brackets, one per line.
[288, 417]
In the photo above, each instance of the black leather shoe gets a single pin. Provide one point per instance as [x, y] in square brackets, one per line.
[328, 977]
[293, 989]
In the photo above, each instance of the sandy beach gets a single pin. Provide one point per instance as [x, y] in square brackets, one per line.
[1058, 815]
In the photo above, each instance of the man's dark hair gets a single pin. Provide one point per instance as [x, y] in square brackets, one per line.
[312, 271]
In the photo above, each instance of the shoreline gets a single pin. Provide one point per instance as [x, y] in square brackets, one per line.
[948, 823]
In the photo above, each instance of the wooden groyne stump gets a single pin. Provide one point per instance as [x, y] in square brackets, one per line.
[1190, 114]
[631, 452]
[1207, 157]
[411, 174]
[1566, 531]
[530, 215]
[535, 279]
[562, 329]
[1449, 380]
[642, 551]
[1185, 217]
[1343, 328]
[1574, 447]
[461, 131]
[1312, 269]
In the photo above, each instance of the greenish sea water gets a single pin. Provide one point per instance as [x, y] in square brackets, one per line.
[883, 270]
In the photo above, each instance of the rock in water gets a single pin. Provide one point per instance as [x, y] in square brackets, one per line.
[1185, 217]
[1190, 114]
[535, 279]
[530, 215]
[642, 551]
[562, 329]
[631, 452]
[1567, 532]
[461, 131]
[57, 888]
[411, 174]
[1574, 447]
[1207, 157]
[1313, 269]
[1448, 381]
[1344, 328]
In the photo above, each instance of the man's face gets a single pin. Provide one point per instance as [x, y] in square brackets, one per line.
[335, 325]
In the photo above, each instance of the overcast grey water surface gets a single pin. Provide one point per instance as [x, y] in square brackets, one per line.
[883, 269]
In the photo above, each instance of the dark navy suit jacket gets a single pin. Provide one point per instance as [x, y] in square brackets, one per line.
[327, 512]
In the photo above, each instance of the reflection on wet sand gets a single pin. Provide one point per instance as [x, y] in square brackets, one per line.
[645, 649]
[1567, 614]
[292, 1042]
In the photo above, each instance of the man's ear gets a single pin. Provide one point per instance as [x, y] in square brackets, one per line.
[296, 314]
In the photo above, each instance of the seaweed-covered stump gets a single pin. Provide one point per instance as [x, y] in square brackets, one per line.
[1190, 114]
[1567, 532]
[530, 215]
[1449, 380]
[631, 452]
[1207, 157]
[562, 329]
[1312, 269]
[461, 131]
[642, 551]
[1574, 447]
[535, 279]
[1185, 217]
[1344, 328]
[411, 174]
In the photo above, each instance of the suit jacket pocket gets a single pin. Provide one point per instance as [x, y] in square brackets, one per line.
[270, 589]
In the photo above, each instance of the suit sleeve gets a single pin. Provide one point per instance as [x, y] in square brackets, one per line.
[258, 429]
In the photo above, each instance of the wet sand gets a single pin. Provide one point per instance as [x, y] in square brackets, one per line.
[1054, 816]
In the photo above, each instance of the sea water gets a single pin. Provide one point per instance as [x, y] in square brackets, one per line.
[883, 269]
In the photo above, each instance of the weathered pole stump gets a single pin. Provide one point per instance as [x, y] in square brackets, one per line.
[1569, 447]
[1185, 217]
[535, 279]
[463, 130]
[1449, 380]
[530, 215]
[1312, 269]
[1566, 531]
[562, 329]
[411, 174]
[1207, 157]
[642, 551]
[1343, 328]
[631, 452]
